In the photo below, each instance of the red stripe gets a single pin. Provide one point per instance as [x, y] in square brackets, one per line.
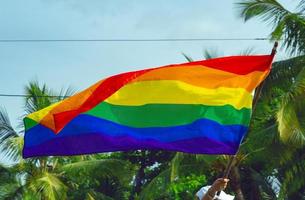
[102, 92]
[238, 64]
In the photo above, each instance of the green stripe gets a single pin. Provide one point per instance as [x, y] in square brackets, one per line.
[163, 115]
[29, 123]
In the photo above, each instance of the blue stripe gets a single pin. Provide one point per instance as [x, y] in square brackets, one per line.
[85, 124]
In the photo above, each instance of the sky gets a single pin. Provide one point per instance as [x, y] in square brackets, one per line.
[79, 64]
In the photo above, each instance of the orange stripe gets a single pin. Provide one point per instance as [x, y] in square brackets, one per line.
[205, 77]
[71, 103]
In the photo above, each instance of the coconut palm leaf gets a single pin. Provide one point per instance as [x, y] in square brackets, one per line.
[48, 186]
[96, 196]
[282, 76]
[188, 58]
[291, 116]
[106, 167]
[248, 51]
[65, 93]
[156, 186]
[301, 6]
[214, 53]
[10, 141]
[294, 176]
[10, 188]
[38, 97]
[288, 26]
[211, 53]
[175, 164]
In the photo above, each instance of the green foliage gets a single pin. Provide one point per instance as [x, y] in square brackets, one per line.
[294, 173]
[291, 117]
[278, 126]
[9, 187]
[186, 187]
[10, 141]
[48, 186]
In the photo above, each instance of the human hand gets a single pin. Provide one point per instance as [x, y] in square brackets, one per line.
[218, 185]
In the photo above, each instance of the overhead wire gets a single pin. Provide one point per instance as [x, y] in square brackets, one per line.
[116, 40]
[129, 40]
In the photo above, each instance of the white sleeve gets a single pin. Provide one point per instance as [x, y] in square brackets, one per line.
[202, 191]
[222, 196]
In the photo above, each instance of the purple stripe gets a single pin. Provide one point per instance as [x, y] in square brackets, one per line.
[97, 143]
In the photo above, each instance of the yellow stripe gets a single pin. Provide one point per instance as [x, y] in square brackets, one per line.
[177, 92]
[45, 116]
[37, 116]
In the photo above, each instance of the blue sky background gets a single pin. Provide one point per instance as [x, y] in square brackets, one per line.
[81, 64]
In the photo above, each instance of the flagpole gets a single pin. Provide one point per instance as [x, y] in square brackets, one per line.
[257, 94]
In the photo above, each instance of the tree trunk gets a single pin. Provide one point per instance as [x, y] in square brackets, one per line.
[236, 184]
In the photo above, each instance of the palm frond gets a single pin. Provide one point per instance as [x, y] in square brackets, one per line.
[188, 58]
[267, 10]
[161, 183]
[282, 76]
[175, 163]
[38, 97]
[29, 195]
[106, 167]
[157, 186]
[10, 188]
[301, 6]
[290, 116]
[294, 177]
[9, 139]
[13, 148]
[95, 196]
[211, 53]
[48, 186]
[289, 126]
[6, 129]
[65, 93]
[206, 158]
[248, 51]
[286, 25]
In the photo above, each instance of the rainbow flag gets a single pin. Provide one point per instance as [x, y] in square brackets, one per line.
[199, 107]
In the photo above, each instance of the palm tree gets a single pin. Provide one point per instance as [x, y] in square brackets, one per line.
[285, 121]
[51, 178]
[287, 26]
[286, 84]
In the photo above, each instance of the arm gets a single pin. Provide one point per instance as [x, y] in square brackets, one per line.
[218, 185]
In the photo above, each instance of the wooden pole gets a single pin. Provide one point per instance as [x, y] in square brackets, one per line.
[257, 94]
